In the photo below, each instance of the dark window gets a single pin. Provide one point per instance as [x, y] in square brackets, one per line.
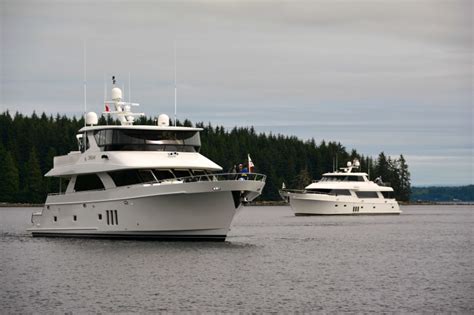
[88, 182]
[148, 140]
[125, 177]
[319, 191]
[163, 174]
[147, 176]
[74, 217]
[340, 192]
[387, 194]
[55, 219]
[100, 216]
[367, 194]
[181, 173]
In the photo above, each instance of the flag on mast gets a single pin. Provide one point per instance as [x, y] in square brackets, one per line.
[251, 166]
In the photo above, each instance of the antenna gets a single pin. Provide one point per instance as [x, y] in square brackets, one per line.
[85, 93]
[85, 81]
[175, 88]
[129, 88]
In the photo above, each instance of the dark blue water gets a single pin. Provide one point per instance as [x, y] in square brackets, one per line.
[420, 261]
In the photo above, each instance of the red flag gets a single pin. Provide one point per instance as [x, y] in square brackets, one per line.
[107, 108]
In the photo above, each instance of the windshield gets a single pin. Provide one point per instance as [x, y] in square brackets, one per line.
[147, 140]
[342, 178]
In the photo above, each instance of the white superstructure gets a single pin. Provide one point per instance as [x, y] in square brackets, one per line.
[132, 181]
[343, 192]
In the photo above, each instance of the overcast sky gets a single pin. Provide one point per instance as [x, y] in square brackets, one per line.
[392, 76]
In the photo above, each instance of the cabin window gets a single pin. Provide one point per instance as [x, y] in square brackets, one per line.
[367, 194]
[163, 174]
[340, 192]
[148, 140]
[88, 182]
[126, 177]
[388, 194]
[181, 173]
[147, 176]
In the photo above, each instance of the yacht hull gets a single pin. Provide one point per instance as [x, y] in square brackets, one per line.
[179, 211]
[314, 204]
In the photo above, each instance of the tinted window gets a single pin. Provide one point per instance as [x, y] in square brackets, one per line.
[147, 140]
[163, 174]
[387, 194]
[88, 182]
[181, 173]
[340, 192]
[125, 177]
[367, 194]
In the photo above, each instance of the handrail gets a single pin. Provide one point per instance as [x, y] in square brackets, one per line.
[198, 178]
[221, 177]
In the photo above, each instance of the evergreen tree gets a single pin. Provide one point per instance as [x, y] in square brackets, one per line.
[303, 179]
[9, 177]
[405, 185]
[34, 179]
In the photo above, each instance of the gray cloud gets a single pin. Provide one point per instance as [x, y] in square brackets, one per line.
[392, 76]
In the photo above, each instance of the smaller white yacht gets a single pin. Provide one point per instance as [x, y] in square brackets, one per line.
[343, 192]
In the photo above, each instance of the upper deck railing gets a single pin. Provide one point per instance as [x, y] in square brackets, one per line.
[196, 178]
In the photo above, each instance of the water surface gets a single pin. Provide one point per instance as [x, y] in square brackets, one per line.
[420, 261]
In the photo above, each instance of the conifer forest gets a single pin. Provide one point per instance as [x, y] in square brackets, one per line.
[29, 143]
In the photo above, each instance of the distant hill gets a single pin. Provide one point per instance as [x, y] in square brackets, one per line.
[461, 193]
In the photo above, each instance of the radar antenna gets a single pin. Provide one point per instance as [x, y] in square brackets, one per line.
[123, 110]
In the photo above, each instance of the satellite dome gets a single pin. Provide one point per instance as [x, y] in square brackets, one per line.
[163, 120]
[91, 118]
[116, 94]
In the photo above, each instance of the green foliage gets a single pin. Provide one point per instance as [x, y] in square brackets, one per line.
[462, 193]
[9, 177]
[33, 141]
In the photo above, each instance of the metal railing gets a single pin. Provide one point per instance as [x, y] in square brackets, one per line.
[195, 178]
[219, 177]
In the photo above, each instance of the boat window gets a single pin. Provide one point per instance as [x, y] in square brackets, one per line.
[125, 177]
[319, 191]
[388, 194]
[354, 178]
[340, 192]
[181, 173]
[147, 176]
[88, 182]
[163, 174]
[148, 140]
[367, 194]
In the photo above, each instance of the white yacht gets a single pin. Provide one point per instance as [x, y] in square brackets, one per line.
[343, 192]
[131, 181]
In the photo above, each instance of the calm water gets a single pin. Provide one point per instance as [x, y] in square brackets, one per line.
[419, 261]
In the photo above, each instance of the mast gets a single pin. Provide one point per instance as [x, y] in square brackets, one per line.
[175, 88]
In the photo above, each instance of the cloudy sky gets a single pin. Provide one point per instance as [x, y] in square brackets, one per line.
[392, 76]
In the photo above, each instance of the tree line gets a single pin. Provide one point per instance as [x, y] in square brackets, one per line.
[28, 145]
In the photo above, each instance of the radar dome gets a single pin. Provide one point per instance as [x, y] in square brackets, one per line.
[163, 120]
[356, 163]
[91, 118]
[349, 164]
[116, 94]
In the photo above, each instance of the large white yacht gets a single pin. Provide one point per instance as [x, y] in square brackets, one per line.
[131, 181]
[343, 192]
